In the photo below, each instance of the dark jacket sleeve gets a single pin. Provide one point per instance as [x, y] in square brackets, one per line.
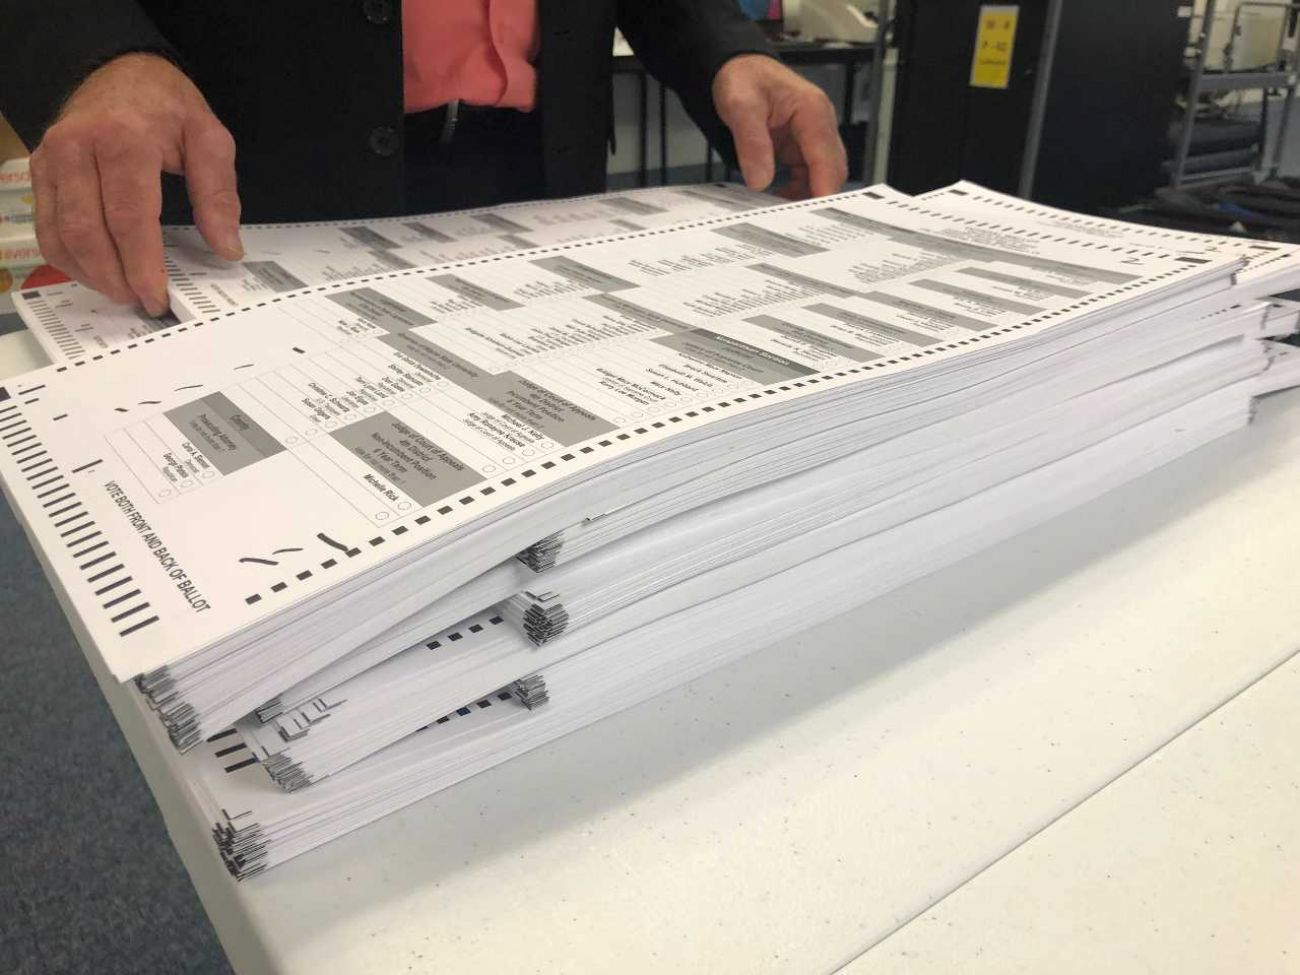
[48, 47]
[683, 43]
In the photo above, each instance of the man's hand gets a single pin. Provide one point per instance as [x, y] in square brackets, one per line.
[96, 178]
[776, 116]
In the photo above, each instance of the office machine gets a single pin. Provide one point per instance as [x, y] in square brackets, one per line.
[1065, 101]
[832, 20]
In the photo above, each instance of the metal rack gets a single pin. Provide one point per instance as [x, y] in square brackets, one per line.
[1283, 77]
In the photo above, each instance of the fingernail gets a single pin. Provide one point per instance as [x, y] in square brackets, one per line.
[155, 306]
[232, 245]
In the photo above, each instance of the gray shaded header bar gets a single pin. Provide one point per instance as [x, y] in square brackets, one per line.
[873, 326]
[227, 436]
[797, 333]
[379, 309]
[736, 357]
[977, 297]
[756, 236]
[474, 292]
[645, 316]
[273, 275]
[567, 267]
[406, 459]
[812, 284]
[370, 239]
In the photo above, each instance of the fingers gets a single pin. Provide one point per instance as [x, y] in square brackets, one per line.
[745, 114]
[97, 177]
[814, 130]
[796, 187]
[210, 179]
[130, 182]
[756, 96]
[79, 217]
[45, 211]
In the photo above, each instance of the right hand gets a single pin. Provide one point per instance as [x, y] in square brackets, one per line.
[97, 183]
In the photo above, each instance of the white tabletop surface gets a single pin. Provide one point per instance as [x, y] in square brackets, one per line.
[957, 771]
[1188, 863]
[19, 352]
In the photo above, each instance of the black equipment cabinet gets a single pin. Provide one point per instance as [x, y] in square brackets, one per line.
[1114, 72]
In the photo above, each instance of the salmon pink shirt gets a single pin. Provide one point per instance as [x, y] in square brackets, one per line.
[478, 51]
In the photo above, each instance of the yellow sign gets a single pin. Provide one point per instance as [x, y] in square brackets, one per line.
[994, 39]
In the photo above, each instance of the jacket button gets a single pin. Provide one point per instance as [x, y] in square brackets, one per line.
[377, 11]
[383, 140]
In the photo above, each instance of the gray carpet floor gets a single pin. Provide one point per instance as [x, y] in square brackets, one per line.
[10, 322]
[89, 881]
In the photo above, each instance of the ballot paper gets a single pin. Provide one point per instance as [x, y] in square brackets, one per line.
[545, 604]
[1266, 265]
[1283, 371]
[256, 826]
[1266, 261]
[725, 546]
[621, 575]
[269, 495]
[1036, 385]
[286, 257]
[72, 322]
[359, 540]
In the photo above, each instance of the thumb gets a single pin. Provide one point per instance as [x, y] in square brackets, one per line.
[210, 179]
[745, 114]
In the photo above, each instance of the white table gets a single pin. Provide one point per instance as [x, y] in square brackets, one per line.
[1188, 863]
[1074, 751]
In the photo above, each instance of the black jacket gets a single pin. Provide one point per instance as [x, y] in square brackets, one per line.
[312, 89]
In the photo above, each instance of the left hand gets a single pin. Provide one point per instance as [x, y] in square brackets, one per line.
[776, 116]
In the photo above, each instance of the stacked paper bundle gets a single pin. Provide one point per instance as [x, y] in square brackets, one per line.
[361, 540]
[73, 323]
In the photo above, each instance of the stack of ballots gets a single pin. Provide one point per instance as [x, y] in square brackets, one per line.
[73, 323]
[358, 541]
